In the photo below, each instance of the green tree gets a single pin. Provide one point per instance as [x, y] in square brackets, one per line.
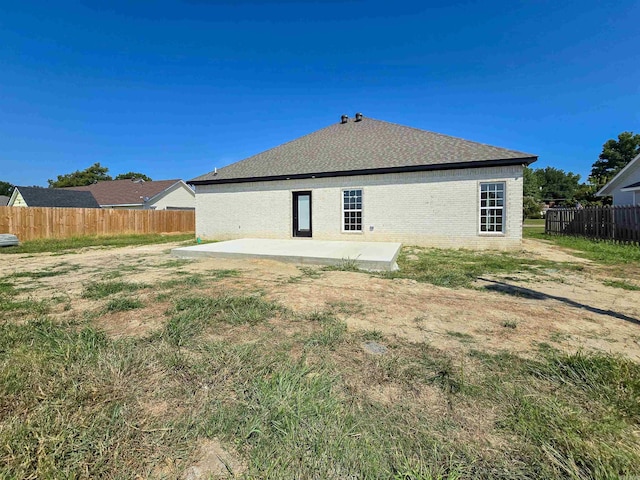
[531, 185]
[531, 202]
[531, 208]
[557, 184]
[6, 188]
[128, 175]
[79, 178]
[586, 195]
[614, 157]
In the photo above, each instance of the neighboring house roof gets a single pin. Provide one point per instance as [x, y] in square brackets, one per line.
[55, 197]
[4, 200]
[127, 192]
[617, 179]
[633, 186]
[363, 147]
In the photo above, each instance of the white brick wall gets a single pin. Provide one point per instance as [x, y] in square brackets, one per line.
[437, 208]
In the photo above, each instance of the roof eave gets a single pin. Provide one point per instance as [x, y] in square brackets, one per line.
[108, 205]
[374, 171]
[607, 190]
[179, 182]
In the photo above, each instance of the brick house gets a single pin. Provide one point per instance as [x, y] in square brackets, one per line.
[369, 180]
[136, 194]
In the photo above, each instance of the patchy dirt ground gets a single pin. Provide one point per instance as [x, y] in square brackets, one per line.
[566, 310]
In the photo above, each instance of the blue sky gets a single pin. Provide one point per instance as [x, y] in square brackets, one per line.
[174, 89]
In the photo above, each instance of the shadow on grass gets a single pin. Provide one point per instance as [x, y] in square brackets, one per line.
[523, 292]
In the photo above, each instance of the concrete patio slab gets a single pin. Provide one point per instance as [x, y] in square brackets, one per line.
[367, 255]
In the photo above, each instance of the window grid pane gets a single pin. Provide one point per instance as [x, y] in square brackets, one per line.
[352, 210]
[492, 207]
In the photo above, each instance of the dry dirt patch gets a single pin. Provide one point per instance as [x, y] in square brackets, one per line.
[214, 461]
[569, 310]
[133, 323]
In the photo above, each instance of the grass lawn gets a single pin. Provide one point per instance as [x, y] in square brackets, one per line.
[601, 251]
[460, 268]
[533, 226]
[534, 222]
[292, 394]
[65, 244]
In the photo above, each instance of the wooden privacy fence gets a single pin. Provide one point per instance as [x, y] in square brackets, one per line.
[30, 223]
[620, 223]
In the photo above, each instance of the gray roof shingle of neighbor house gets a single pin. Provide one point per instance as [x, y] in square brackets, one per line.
[360, 147]
[57, 197]
[125, 192]
[4, 200]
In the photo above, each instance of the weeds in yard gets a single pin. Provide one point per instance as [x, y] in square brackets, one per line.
[347, 308]
[460, 268]
[97, 290]
[509, 324]
[621, 284]
[222, 273]
[463, 337]
[332, 334]
[310, 272]
[601, 251]
[28, 306]
[613, 379]
[345, 265]
[306, 272]
[69, 403]
[54, 271]
[186, 280]
[306, 401]
[196, 279]
[174, 263]
[113, 274]
[372, 335]
[123, 304]
[76, 404]
[190, 315]
[7, 289]
[66, 244]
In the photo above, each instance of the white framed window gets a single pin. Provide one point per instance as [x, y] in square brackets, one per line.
[492, 207]
[352, 210]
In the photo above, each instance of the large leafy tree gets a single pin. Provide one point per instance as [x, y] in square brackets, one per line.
[79, 178]
[128, 175]
[556, 184]
[614, 157]
[531, 202]
[6, 188]
[531, 185]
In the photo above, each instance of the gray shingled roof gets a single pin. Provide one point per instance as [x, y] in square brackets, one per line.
[125, 192]
[57, 197]
[356, 147]
[4, 200]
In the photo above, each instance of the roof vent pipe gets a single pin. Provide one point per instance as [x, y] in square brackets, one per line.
[358, 117]
[344, 118]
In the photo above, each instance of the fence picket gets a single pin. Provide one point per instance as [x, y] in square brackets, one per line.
[30, 223]
[618, 223]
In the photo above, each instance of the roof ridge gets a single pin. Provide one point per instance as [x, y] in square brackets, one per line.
[273, 148]
[366, 146]
[422, 130]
